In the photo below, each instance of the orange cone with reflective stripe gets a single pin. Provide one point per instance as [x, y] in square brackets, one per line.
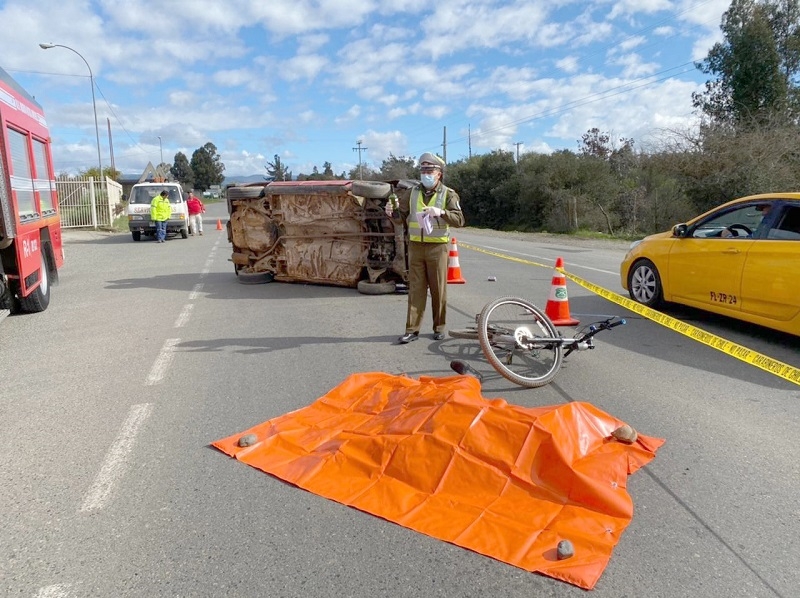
[453, 268]
[219, 224]
[557, 308]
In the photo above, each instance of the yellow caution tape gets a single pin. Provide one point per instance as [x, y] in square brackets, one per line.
[768, 364]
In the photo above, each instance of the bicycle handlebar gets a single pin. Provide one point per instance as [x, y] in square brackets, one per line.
[608, 324]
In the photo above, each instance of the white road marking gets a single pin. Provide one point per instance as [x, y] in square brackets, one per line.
[195, 291]
[55, 591]
[185, 314]
[116, 459]
[162, 361]
[543, 259]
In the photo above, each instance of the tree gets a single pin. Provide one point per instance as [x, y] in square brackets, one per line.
[364, 172]
[399, 168]
[207, 167]
[749, 85]
[277, 171]
[488, 187]
[182, 171]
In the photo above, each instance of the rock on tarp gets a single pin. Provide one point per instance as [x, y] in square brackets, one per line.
[435, 456]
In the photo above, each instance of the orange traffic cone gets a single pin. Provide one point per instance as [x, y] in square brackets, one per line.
[557, 308]
[219, 224]
[453, 269]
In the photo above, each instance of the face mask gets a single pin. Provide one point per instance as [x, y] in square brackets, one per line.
[428, 180]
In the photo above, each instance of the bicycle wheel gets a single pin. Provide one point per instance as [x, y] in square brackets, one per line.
[513, 334]
[467, 333]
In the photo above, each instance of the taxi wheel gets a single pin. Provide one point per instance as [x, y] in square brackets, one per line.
[644, 284]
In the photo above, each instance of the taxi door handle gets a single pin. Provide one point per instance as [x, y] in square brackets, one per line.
[731, 250]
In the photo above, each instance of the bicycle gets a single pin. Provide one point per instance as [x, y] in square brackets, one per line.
[521, 343]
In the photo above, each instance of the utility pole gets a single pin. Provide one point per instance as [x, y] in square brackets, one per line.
[444, 146]
[359, 149]
[518, 143]
[110, 144]
[469, 139]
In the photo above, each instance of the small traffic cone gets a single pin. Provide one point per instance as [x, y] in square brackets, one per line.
[453, 269]
[557, 308]
[219, 224]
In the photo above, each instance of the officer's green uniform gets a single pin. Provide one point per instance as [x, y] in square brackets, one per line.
[428, 253]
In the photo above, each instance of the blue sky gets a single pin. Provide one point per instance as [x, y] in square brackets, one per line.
[309, 79]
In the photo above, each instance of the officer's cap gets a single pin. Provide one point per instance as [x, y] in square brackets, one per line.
[431, 159]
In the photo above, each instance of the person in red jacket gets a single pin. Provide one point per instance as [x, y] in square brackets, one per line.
[196, 211]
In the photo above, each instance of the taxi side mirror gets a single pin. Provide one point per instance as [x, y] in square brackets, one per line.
[679, 230]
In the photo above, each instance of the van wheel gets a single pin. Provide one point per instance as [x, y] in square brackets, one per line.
[366, 287]
[137, 235]
[39, 299]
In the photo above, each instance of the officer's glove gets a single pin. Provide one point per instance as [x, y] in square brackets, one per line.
[389, 209]
[434, 211]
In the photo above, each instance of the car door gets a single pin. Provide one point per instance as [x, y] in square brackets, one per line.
[705, 267]
[771, 274]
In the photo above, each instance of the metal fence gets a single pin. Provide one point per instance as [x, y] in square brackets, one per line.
[88, 202]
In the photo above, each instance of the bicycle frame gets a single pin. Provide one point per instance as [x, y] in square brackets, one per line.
[521, 343]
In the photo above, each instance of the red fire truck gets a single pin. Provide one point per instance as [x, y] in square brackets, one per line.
[30, 225]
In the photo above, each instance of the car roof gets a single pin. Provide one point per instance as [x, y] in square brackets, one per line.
[758, 198]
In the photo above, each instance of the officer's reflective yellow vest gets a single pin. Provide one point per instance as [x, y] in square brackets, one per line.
[416, 204]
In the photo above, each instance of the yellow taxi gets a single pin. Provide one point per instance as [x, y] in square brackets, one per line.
[741, 260]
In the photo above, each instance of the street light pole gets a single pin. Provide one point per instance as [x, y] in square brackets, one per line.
[94, 104]
[161, 149]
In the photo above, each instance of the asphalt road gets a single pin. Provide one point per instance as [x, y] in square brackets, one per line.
[149, 352]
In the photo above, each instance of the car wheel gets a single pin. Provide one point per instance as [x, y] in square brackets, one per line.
[245, 192]
[254, 277]
[644, 284]
[366, 287]
[137, 235]
[184, 233]
[371, 189]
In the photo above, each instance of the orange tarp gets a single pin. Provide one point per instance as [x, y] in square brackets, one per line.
[435, 456]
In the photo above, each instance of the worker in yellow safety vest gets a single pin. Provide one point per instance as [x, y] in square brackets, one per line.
[160, 212]
[429, 209]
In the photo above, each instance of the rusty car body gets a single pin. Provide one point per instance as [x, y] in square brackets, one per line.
[320, 232]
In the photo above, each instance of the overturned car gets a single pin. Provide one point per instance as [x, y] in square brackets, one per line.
[320, 232]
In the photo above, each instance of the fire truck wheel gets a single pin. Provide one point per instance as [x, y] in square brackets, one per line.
[39, 299]
[137, 235]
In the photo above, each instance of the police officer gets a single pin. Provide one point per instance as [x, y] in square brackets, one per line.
[429, 210]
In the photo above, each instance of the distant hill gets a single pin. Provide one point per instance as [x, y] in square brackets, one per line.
[243, 180]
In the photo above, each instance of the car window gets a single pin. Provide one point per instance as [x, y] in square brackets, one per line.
[143, 194]
[740, 221]
[788, 225]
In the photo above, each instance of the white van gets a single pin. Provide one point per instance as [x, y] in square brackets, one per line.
[139, 210]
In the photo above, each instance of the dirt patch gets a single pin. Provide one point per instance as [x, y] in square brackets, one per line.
[552, 239]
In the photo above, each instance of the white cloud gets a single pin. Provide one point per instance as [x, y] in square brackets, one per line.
[306, 78]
